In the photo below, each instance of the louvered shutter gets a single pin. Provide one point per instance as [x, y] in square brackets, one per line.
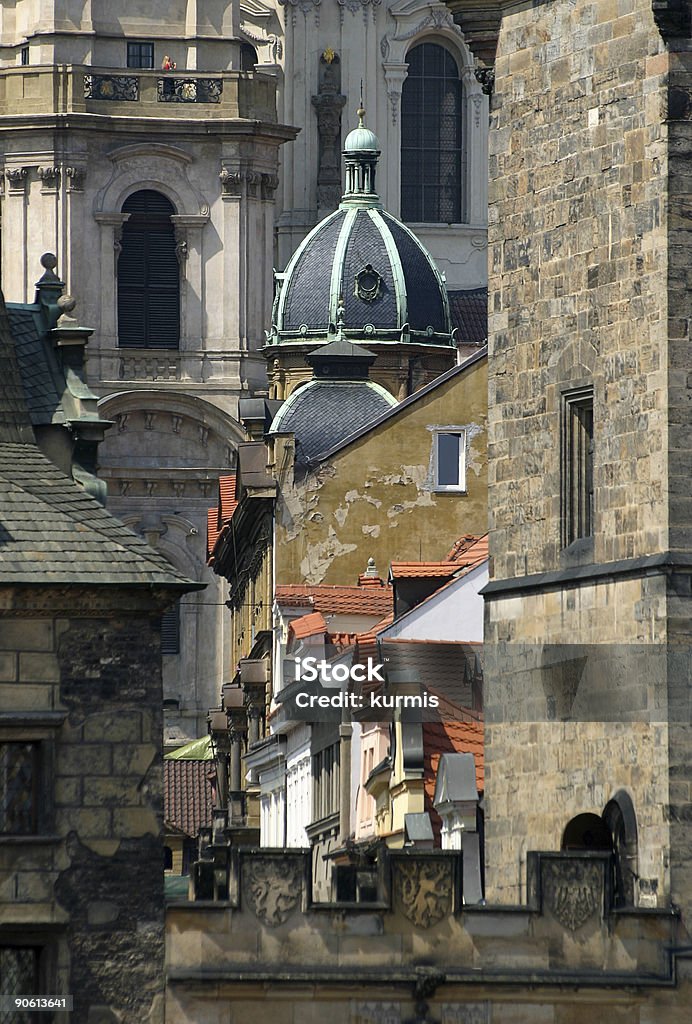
[148, 274]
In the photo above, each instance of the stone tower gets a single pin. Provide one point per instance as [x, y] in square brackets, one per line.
[588, 614]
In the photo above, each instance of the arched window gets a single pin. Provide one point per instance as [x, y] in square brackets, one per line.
[148, 274]
[431, 152]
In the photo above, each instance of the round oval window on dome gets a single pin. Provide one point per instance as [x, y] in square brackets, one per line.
[368, 284]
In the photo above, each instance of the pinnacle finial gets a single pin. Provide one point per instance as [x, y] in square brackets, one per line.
[361, 115]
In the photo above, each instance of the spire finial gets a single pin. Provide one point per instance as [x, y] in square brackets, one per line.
[361, 108]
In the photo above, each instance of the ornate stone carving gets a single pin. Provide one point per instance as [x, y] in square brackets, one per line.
[149, 418]
[176, 423]
[163, 367]
[122, 88]
[468, 1013]
[50, 178]
[377, 1013]
[303, 5]
[358, 5]
[272, 888]
[121, 419]
[75, 178]
[572, 890]
[423, 889]
[254, 180]
[189, 90]
[231, 182]
[16, 178]
[486, 77]
[328, 104]
[270, 183]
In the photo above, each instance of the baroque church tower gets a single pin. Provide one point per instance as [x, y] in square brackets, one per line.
[135, 148]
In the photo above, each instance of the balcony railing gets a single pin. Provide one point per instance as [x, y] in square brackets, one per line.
[74, 89]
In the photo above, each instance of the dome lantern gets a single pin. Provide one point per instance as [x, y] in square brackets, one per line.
[361, 153]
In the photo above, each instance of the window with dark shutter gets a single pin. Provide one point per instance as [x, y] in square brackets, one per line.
[431, 143]
[170, 630]
[148, 274]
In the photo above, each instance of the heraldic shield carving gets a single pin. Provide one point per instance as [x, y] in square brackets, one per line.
[423, 890]
[272, 888]
[572, 890]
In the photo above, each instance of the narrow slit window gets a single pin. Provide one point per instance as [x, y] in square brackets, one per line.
[577, 465]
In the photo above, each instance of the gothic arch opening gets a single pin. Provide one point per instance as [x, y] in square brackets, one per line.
[587, 832]
[621, 820]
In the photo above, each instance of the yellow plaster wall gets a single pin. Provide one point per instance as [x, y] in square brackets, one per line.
[375, 498]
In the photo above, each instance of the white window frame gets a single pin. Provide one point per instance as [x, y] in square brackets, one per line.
[460, 432]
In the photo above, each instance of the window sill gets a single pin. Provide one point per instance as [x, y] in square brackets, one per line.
[441, 489]
[579, 552]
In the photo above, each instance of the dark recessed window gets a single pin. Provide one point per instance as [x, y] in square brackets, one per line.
[24, 56]
[577, 465]
[140, 55]
[248, 57]
[19, 783]
[431, 145]
[148, 274]
[170, 630]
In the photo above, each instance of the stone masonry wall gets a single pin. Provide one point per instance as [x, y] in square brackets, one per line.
[100, 878]
[558, 747]
[578, 273]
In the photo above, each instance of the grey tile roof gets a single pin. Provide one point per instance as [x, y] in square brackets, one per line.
[37, 365]
[14, 417]
[323, 413]
[469, 311]
[51, 531]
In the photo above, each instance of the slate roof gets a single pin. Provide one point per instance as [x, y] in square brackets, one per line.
[322, 413]
[336, 600]
[188, 798]
[15, 425]
[469, 312]
[36, 364]
[410, 291]
[52, 531]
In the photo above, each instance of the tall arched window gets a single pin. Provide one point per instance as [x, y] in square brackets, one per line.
[148, 274]
[431, 153]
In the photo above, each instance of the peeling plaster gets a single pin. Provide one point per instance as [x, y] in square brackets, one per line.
[319, 557]
[371, 531]
[341, 514]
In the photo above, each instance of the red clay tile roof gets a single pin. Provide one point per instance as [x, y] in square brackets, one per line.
[443, 738]
[219, 516]
[307, 625]
[469, 550]
[187, 794]
[336, 600]
[411, 570]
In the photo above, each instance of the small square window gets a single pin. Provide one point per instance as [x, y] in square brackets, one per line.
[450, 460]
[19, 786]
[577, 465]
[20, 976]
[140, 55]
[24, 56]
